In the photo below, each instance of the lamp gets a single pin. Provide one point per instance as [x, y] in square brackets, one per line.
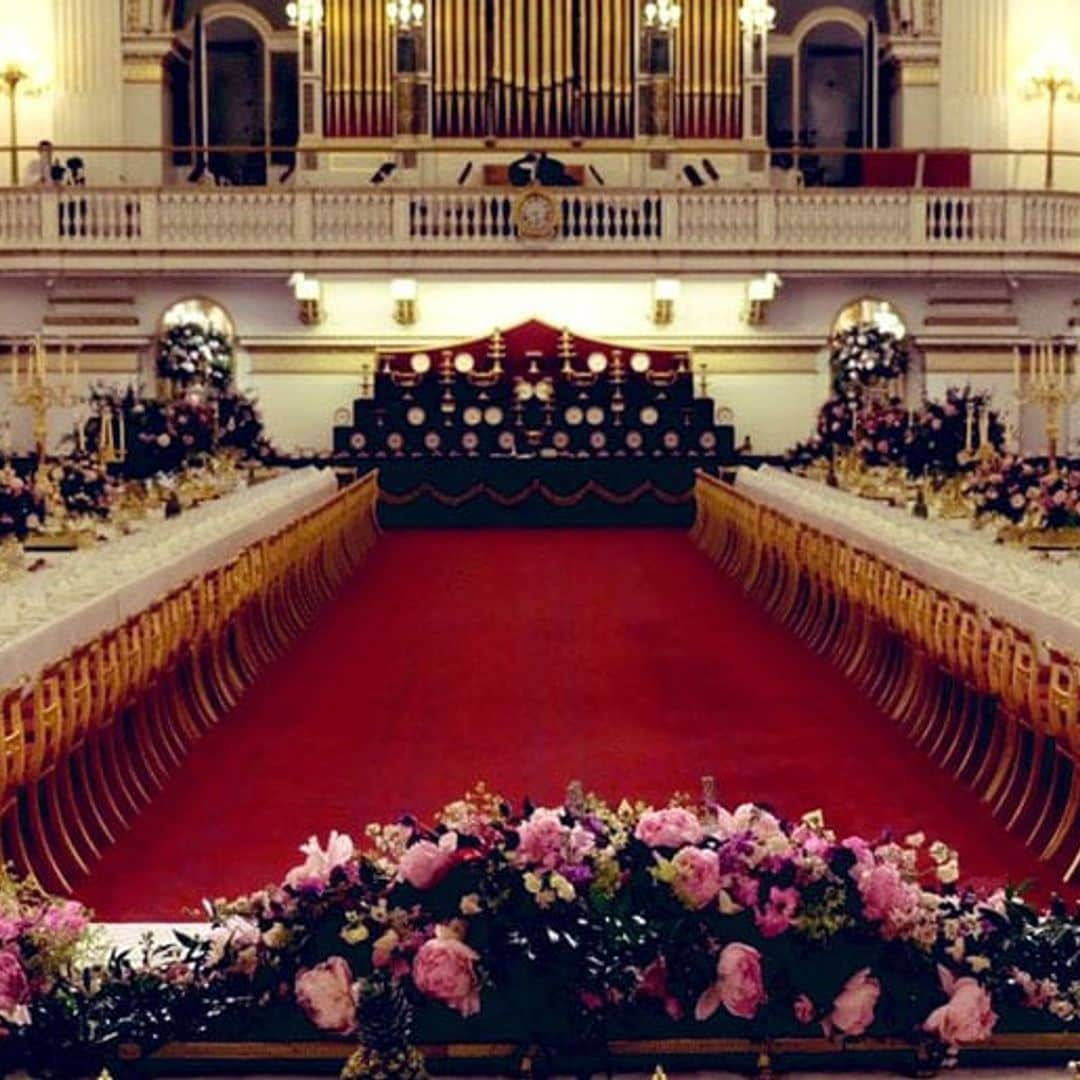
[757, 16]
[1052, 73]
[403, 292]
[760, 293]
[665, 293]
[664, 14]
[405, 14]
[20, 69]
[309, 298]
[306, 14]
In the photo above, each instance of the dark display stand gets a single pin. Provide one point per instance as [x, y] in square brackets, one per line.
[535, 426]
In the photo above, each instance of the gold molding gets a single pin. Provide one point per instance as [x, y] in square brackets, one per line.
[913, 74]
[351, 362]
[791, 361]
[147, 72]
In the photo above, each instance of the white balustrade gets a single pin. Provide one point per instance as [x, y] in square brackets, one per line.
[872, 221]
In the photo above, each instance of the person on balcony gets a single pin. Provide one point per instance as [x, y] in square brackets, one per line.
[44, 170]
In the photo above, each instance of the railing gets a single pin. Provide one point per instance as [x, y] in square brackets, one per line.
[204, 220]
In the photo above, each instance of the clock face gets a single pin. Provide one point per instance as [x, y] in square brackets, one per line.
[472, 415]
[560, 440]
[506, 440]
[416, 416]
[420, 363]
[707, 440]
[649, 416]
[597, 440]
[574, 415]
[395, 441]
[432, 440]
[536, 216]
[594, 415]
[493, 415]
[524, 390]
[543, 391]
[470, 440]
[464, 363]
[671, 440]
[640, 362]
[597, 362]
[357, 440]
[634, 440]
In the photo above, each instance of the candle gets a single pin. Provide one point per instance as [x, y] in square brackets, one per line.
[969, 427]
[120, 427]
[14, 367]
[984, 425]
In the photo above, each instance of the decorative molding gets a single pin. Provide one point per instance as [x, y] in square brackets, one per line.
[138, 69]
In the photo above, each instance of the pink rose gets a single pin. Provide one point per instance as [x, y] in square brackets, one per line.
[445, 969]
[671, 828]
[779, 912]
[853, 1010]
[967, 1017]
[14, 989]
[804, 1009]
[325, 993]
[546, 842]
[698, 880]
[738, 987]
[886, 896]
[425, 864]
[313, 875]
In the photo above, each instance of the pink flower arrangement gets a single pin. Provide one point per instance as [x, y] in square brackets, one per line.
[445, 969]
[14, 989]
[739, 986]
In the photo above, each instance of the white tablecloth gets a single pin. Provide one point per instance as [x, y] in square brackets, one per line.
[47, 614]
[1029, 590]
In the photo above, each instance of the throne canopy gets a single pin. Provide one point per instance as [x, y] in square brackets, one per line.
[536, 348]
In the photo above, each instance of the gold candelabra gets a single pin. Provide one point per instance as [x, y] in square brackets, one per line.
[35, 388]
[1048, 385]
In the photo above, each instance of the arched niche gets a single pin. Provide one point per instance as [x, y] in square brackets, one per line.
[203, 311]
[876, 311]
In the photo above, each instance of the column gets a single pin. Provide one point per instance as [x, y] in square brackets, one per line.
[975, 82]
[88, 84]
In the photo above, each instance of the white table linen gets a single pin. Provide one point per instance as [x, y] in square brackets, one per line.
[45, 615]
[1023, 587]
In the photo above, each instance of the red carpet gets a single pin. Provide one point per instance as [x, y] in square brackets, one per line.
[528, 659]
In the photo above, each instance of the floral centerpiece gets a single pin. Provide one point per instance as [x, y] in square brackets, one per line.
[564, 928]
[84, 486]
[575, 924]
[863, 355]
[1038, 495]
[941, 432]
[191, 354]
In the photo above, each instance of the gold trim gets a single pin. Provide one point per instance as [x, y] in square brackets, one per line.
[148, 72]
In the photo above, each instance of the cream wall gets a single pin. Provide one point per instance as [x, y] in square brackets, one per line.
[770, 376]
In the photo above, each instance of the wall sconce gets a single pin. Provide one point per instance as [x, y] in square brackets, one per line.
[309, 299]
[760, 293]
[665, 293]
[403, 293]
[305, 14]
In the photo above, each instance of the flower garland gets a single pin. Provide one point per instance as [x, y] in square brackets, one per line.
[863, 355]
[191, 354]
[564, 926]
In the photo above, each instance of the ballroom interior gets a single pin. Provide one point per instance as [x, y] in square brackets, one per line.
[601, 478]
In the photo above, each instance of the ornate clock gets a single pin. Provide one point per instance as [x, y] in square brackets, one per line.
[536, 215]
